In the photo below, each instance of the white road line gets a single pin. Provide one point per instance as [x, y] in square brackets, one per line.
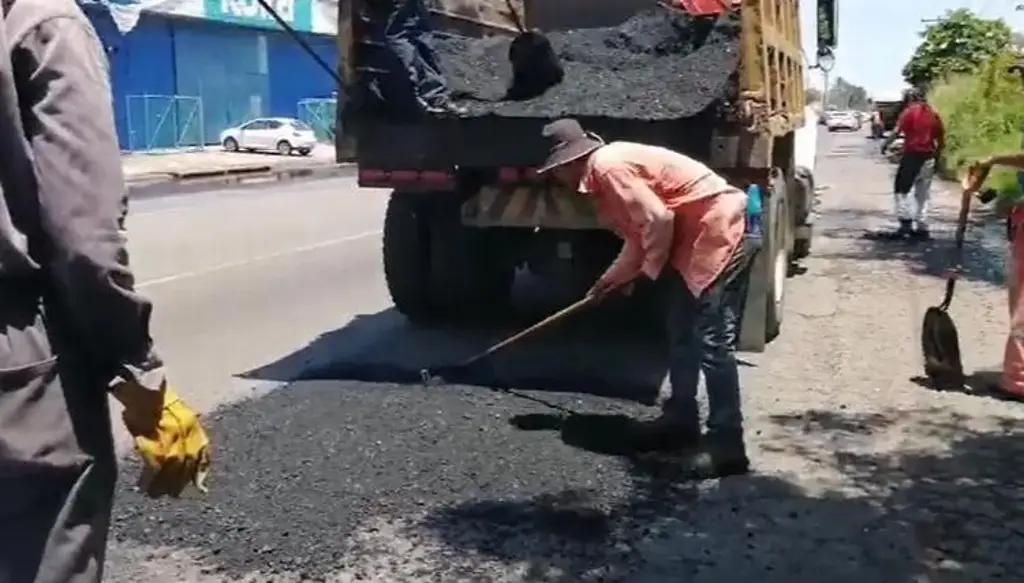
[257, 259]
[179, 203]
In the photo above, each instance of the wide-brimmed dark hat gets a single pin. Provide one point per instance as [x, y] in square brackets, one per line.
[569, 142]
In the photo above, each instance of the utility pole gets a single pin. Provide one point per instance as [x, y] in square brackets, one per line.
[824, 91]
[826, 60]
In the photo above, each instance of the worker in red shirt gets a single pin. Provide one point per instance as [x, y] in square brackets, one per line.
[923, 140]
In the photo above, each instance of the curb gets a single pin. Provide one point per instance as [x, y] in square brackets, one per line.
[193, 182]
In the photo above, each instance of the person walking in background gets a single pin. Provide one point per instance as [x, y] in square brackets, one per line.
[877, 129]
[1011, 381]
[73, 327]
[684, 226]
[923, 140]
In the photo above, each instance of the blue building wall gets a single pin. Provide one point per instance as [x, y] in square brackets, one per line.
[141, 63]
[295, 76]
[235, 72]
[227, 68]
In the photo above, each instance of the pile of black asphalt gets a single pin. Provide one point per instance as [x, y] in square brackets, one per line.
[301, 472]
[658, 65]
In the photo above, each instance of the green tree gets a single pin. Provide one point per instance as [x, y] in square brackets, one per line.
[958, 43]
[812, 95]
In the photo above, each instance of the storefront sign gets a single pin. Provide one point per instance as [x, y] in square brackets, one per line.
[316, 16]
[298, 13]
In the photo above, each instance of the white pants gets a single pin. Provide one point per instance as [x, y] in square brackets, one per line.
[916, 209]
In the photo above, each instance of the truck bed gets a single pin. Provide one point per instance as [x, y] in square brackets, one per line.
[656, 78]
[659, 65]
[495, 141]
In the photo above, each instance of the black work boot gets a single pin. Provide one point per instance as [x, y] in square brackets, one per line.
[905, 230]
[665, 433]
[921, 233]
[717, 459]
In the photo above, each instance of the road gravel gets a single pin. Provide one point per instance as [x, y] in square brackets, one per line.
[860, 472]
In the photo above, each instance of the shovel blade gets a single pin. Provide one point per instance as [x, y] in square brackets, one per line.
[940, 346]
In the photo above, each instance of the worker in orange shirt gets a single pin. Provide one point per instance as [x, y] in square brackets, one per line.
[1011, 382]
[682, 225]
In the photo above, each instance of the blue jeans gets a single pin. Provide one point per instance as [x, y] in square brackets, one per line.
[702, 333]
[410, 35]
[402, 57]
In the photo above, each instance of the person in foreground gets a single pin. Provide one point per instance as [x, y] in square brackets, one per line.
[73, 327]
[1011, 382]
[682, 225]
[923, 140]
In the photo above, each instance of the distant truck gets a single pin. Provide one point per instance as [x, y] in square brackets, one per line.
[466, 211]
[889, 111]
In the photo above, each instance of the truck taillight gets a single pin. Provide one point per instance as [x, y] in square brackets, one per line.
[703, 7]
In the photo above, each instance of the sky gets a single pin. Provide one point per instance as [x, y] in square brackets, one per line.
[877, 37]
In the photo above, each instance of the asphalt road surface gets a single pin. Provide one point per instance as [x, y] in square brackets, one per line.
[351, 473]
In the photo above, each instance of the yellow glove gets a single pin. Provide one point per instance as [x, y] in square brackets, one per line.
[174, 448]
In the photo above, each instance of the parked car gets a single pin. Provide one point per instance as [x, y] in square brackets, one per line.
[283, 135]
[843, 120]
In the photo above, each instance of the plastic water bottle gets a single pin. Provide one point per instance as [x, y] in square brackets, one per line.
[755, 212]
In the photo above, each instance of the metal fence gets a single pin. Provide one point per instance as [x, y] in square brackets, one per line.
[319, 113]
[164, 122]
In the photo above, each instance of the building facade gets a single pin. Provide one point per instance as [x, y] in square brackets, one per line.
[182, 71]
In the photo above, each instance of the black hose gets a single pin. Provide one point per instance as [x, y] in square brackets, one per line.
[516, 19]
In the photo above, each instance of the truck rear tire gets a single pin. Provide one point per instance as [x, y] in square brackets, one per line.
[471, 275]
[406, 251]
[439, 271]
[803, 183]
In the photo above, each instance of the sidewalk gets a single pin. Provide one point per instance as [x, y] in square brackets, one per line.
[146, 171]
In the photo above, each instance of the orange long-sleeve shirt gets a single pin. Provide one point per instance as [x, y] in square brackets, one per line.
[668, 208]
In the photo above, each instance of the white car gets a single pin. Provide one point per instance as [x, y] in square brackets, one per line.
[843, 120]
[283, 135]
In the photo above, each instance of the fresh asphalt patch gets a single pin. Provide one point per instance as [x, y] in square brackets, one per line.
[300, 470]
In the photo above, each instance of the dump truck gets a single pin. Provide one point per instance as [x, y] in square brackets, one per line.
[467, 211]
[889, 107]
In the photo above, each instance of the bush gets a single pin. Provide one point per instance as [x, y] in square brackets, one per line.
[983, 113]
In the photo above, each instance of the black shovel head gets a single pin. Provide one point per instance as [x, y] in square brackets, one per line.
[535, 66]
[940, 344]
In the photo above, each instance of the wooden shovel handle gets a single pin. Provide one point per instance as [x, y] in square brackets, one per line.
[543, 324]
